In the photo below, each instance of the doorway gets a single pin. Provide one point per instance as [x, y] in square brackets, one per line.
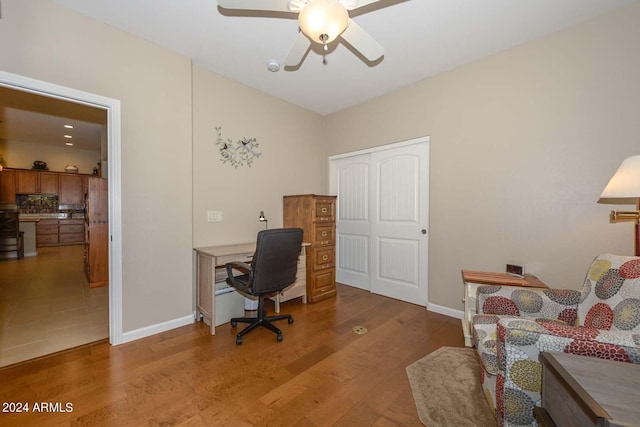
[382, 219]
[112, 169]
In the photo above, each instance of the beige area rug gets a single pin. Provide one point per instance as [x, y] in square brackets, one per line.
[447, 390]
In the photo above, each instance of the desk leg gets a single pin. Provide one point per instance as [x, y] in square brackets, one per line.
[206, 291]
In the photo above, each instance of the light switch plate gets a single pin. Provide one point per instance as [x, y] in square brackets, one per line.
[214, 216]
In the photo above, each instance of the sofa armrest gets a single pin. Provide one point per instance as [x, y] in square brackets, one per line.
[557, 304]
[520, 342]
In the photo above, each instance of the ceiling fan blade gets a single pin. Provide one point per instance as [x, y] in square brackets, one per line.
[362, 41]
[269, 5]
[299, 49]
[362, 3]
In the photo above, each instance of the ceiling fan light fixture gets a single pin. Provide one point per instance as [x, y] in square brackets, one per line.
[323, 20]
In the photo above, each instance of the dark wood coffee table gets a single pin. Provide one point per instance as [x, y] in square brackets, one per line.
[587, 391]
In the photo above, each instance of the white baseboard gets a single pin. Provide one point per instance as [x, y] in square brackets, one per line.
[440, 309]
[156, 329]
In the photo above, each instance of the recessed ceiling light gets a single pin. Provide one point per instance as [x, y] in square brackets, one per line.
[68, 126]
[70, 144]
[68, 136]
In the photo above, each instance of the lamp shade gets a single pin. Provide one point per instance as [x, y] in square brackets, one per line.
[626, 181]
[323, 20]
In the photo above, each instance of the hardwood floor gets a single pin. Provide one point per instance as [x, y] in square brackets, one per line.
[322, 374]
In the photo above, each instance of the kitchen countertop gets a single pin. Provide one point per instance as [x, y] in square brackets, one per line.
[39, 216]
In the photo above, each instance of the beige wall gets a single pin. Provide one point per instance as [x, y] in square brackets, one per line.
[292, 159]
[19, 154]
[41, 40]
[522, 145]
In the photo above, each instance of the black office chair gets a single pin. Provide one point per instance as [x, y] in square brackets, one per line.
[273, 268]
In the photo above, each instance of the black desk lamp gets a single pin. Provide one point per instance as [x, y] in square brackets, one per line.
[262, 218]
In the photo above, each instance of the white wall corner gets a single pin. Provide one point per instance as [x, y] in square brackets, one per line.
[458, 314]
[147, 331]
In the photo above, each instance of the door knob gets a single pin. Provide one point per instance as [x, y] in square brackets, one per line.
[424, 231]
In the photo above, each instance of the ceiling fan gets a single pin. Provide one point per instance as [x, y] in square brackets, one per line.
[321, 21]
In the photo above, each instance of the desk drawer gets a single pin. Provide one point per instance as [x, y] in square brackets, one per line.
[246, 257]
[323, 258]
[324, 210]
[324, 234]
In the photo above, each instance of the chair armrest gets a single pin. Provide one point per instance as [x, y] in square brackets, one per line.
[557, 304]
[238, 265]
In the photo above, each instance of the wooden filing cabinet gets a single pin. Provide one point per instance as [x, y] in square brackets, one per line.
[315, 214]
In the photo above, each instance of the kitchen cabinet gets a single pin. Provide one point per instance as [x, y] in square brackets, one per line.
[71, 231]
[96, 250]
[36, 182]
[7, 186]
[315, 214]
[60, 232]
[70, 189]
[47, 232]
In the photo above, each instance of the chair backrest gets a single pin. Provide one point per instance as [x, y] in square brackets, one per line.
[610, 297]
[275, 262]
[9, 225]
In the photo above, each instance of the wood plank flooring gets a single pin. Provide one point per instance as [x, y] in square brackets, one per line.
[322, 374]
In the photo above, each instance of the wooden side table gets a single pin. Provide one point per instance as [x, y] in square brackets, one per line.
[587, 391]
[472, 279]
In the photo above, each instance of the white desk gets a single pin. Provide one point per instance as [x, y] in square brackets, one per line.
[210, 262]
[208, 258]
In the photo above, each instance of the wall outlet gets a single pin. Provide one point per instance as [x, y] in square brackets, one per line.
[515, 270]
[214, 216]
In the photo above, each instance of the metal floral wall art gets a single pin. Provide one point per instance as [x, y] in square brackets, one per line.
[239, 153]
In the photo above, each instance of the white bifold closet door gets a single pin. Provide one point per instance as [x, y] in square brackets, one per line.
[382, 219]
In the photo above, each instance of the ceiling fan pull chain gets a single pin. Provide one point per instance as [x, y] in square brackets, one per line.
[325, 48]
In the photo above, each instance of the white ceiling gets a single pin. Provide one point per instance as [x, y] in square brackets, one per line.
[421, 38]
[28, 117]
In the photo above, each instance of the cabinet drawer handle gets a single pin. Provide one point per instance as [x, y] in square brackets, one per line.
[324, 210]
[325, 257]
[324, 234]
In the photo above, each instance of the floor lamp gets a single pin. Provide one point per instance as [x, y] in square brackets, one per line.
[624, 186]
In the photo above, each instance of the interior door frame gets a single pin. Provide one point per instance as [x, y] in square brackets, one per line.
[114, 151]
[332, 184]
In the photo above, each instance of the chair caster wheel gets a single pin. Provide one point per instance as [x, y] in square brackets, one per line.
[290, 320]
[234, 324]
[279, 338]
[239, 340]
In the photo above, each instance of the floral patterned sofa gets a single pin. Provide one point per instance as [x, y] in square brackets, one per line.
[515, 324]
